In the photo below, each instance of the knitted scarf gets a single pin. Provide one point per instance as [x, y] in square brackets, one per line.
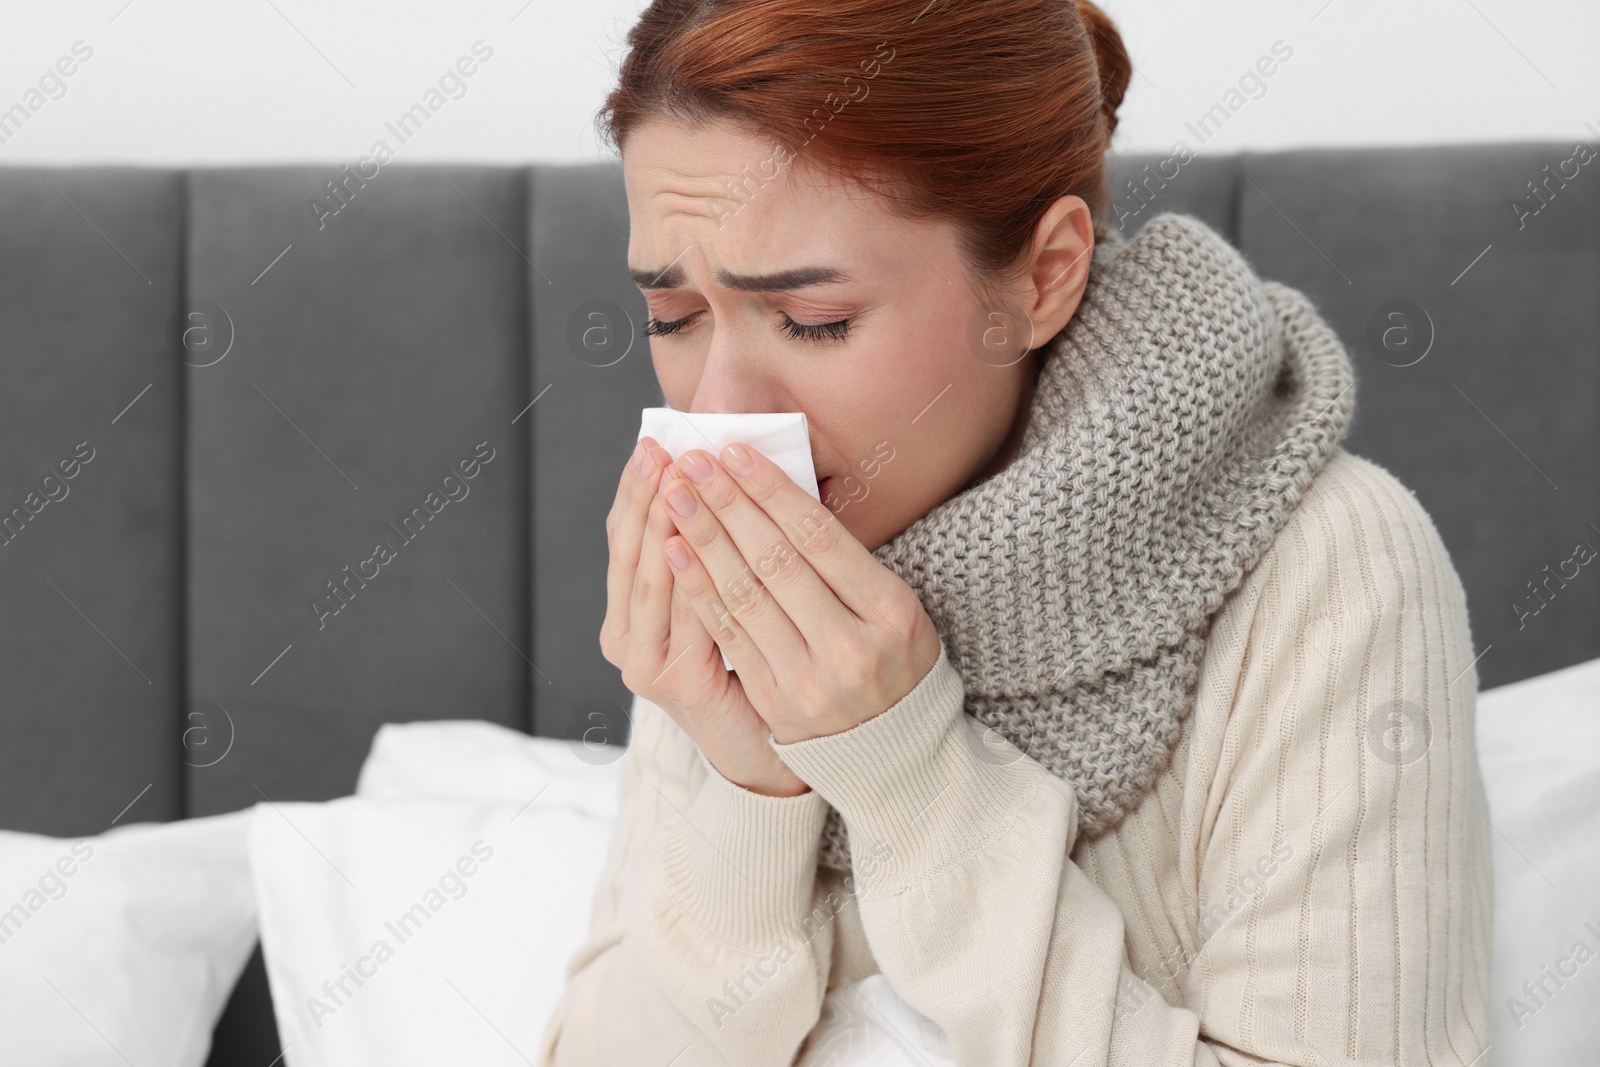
[1176, 421]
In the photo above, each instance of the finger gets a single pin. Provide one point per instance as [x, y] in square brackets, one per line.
[755, 511]
[730, 574]
[844, 564]
[741, 546]
[626, 522]
[651, 606]
[690, 643]
[721, 624]
[629, 482]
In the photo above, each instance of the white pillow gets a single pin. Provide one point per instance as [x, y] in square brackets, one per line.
[420, 931]
[1539, 748]
[469, 759]
[122, 946]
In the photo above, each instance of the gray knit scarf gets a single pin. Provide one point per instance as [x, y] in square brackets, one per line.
[1175, 424]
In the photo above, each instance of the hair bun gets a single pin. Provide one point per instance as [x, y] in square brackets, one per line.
[1116, 69]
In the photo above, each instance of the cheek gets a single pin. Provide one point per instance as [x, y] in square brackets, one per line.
[906, 433]
[952, 439]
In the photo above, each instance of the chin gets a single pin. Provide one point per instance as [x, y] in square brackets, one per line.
[863, 527]
[863, 520]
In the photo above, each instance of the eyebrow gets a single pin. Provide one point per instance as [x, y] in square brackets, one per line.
[781, 281]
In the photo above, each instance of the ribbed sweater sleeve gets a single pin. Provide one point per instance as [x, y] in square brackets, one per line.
[1333, 892]
[692, 955]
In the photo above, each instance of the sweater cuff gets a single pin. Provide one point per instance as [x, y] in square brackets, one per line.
[742, 864]
[917, 785]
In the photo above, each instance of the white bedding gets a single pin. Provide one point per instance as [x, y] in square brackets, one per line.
[122, 947]
[498, 838]
[1539, 748]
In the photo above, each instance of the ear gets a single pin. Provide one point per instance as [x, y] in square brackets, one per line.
[1062, 248]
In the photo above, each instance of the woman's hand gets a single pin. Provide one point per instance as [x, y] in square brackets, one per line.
[666, 656]
[822, 636]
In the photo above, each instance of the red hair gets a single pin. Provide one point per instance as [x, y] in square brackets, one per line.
[979, 112]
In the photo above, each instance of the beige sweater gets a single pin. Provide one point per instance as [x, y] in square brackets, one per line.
[1307, 884]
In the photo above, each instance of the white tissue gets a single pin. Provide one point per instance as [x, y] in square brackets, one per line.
[782, 437]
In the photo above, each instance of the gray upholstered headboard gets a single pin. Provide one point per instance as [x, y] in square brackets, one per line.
[252, 393]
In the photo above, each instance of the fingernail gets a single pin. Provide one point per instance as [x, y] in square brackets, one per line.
[695, 465]
[646, 461]
[682, 501]
[737, 459]
[678, 556]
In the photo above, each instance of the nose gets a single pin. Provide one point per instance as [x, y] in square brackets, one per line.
[735, 380]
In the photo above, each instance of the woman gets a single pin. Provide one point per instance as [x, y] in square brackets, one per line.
[1104, 704]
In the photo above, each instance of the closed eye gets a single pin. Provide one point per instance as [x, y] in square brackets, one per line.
[657, 328]
[834, 331]
[826, 331]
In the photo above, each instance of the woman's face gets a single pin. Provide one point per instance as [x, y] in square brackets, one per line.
[786, 295]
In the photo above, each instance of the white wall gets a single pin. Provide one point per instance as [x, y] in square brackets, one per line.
[198, 82]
